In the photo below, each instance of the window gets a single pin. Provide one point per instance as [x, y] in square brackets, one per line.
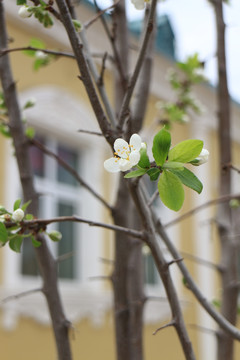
[151, 276]
[60, 195]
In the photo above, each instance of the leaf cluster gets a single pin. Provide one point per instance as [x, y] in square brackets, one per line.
[169, 168]
[182, 83]
[14, 233]
[38, 61]
[40, 12]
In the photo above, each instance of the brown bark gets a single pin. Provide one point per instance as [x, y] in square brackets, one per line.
[45, 260]
[225, 220]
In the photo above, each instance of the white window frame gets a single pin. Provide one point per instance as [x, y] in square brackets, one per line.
[81, 297]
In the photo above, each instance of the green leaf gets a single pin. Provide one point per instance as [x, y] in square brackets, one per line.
[144, 159]
[21, 2]
[135, 173]
[15, 243]
[30, 132]
[161, 146]
[35, 242]
[189, 179]
[185, 151]
[29, 217]
[153, 173]
[25, 205]
[173, 165]
[17, 204]
[3, 233]
[171, 191]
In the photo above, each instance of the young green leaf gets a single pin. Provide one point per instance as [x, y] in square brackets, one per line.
[15, 243]
[171, 190]
[17, 204]
[173, 165]
[189, 179]
[30, 132]
[144, 159]
[153, 173]
[35, 242]
[185, 151]
[21, 2]
[25, 205]
[161, 146]
[3, 233]
[135, 173]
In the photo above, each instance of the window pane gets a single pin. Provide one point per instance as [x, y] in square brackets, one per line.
[151, 275]
[29, 262]
[37, 160]
[66, 245]
[71, 158]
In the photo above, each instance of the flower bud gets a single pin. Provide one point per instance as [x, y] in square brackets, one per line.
[55, 235]
[18, 215]
[40, 55]
[201, 159]
[23, 12]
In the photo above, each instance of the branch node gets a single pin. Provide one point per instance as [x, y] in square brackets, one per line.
[171, 323]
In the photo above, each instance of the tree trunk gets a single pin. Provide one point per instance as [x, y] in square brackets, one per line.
[225, 220]
[45, 260]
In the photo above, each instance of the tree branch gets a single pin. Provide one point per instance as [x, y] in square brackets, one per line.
[141, 56]
[84, 71]
[72, 171]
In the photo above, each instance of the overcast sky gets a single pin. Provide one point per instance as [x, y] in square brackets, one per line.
[194, 27]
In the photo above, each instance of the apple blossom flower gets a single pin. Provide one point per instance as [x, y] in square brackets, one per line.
[126, 155]
[139, 4]
[18, 215]
[202, 158]
[23, 12]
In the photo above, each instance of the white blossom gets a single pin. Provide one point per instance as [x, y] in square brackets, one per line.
[23, 12]
[139, 4]
[18, 215]
[126, 155]
[202, 158]
[40, 55]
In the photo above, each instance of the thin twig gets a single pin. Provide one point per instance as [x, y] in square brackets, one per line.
[71, 170]
[46, 51]
[90, 132]
[171, 323]
[219, 200]
[133, 80]
[99, 14]
[199, 260]
[100, 80]
[153, 198]
[38, 224]
[64, 257]
[203, 329]
[85, 73]
[20, 295]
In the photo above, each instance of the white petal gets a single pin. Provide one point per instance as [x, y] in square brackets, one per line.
[112, 165]
[121, 148]
[124, 165]
[135, 142]
[134, 157]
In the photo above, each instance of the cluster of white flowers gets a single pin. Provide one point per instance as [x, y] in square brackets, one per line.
[139, 4]
[126, 155]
